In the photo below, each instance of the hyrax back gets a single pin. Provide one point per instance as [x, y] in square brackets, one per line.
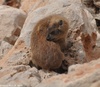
[46, 54]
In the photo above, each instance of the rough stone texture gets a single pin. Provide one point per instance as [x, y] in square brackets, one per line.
[93, 6]
[34, 4]
[89, 44]
[15, 67]
[86, 75]
[4, 48]
[11, 23]
[96, 6]
[97, 3]
[10, 20]
[22, 75]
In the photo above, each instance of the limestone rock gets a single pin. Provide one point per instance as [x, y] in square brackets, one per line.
[22, 75]
[27, 5]
[11, 23]
[19, 75]
[11, 20]
[4, 48]
[86, 75]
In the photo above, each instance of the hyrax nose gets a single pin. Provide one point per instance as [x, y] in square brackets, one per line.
[48, 38]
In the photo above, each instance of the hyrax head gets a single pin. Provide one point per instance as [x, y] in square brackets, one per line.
[57, 29]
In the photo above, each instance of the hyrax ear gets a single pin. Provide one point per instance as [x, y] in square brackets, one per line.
[60, 22]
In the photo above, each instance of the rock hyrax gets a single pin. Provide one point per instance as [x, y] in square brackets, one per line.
[45, 52]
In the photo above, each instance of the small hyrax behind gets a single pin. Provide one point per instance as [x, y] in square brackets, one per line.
[47, 54]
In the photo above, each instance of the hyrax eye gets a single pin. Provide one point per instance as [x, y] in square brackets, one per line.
[55, 32]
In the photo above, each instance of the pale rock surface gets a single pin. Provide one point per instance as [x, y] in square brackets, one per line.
[19, 75]
[23, 75]
[11, 23]
[86, 75]
[81, 75]
[27, 5]
[10, 20]
[4, 48]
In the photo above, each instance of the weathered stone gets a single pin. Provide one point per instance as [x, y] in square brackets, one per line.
[12, 19]
[19, 75]
[85, 75]
[11, 23]
[4, 48]
[97, 3]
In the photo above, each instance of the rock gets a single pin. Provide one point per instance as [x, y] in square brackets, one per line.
[93, 6]
[27, 5]
[4, 48]
[91, 49]
[11, 23]
[96, 84]
[97, 3]
[46, 74]
[14, 18]
[22, 75]
[21, 55]
[85, 75]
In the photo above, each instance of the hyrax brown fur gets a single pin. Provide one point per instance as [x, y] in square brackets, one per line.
[47, 54]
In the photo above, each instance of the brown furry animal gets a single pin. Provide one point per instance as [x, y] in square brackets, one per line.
[46, 54]
[13, 3]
